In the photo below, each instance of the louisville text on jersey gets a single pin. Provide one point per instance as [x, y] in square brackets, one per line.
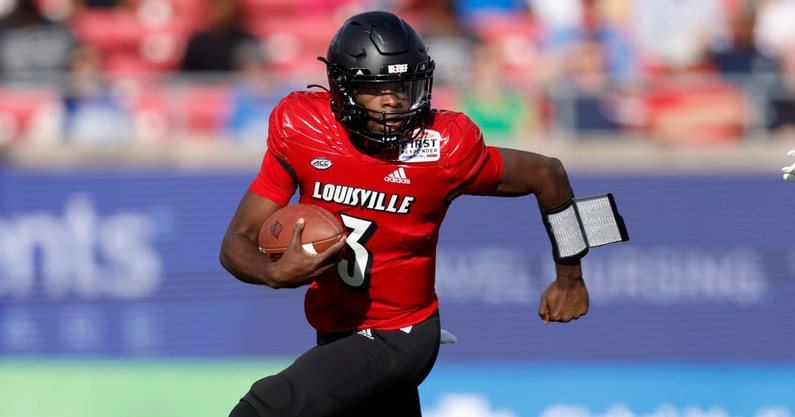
[360, 197]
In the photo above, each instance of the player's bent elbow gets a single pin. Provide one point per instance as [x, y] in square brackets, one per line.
[223, 259]
[555, 167]
[552, 171]
[225, 255]
[228, 264]
[227, 261]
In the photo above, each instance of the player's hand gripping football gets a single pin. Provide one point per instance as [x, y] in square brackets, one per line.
[566, 298]
[789, 172]
[297, 267]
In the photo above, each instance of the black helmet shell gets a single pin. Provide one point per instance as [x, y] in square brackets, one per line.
[378, 47]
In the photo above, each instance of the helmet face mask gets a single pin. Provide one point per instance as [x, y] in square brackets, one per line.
[372, 55]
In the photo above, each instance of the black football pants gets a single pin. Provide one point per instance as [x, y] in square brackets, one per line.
[350, 375]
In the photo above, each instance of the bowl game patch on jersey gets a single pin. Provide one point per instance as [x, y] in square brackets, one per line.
[426, 147]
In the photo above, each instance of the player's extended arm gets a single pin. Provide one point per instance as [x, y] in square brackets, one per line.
[526, 173]
[240, 253]
[789, 172]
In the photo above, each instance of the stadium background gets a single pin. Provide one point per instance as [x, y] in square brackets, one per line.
[112, 301]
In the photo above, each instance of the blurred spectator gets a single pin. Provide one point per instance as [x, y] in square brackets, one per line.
[6, 6]
[741, 63]
[560, 21]
[774, 32]
[32, 47]
[678, 100]
[101, 4]
[253, 98]
[676, 35]
[229, 91]
[588, 58]
[450, 42]
[774, 36]
[215, 47]
[93, 114]
[504, 114]
[740, 56]
[566, 24]
[585, 75]
[470, 10]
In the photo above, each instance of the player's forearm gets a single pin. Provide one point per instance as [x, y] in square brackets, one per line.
[243, 260]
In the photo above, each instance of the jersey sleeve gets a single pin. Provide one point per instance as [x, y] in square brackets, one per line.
[276, 179]
[273, 181]
[480, 166]
[487, 177]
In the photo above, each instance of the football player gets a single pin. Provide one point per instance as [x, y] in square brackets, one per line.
[372, 150]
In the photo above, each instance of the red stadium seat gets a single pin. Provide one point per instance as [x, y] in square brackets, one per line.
[150, 107]
[194, 111]
[293, 45]
[108, 30]
[271, 7]
[128, 41]
[515, 35]
[203, 109]
[126, 64]
[159, 14]
[21, 109]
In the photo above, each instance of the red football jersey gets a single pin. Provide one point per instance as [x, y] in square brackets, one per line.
[391, 207]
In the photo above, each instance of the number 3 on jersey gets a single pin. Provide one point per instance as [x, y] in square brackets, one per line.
[356, 273]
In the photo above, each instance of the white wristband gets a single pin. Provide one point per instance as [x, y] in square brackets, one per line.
[583, 223]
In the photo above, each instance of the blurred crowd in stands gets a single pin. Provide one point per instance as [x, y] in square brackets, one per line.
[109, 73]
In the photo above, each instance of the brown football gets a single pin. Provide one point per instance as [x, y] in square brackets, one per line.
[321, 229]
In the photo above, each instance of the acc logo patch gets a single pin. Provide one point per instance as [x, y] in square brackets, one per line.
[321, 163]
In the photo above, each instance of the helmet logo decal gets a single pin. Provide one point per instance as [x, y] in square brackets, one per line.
[398, 68]
[321, 163]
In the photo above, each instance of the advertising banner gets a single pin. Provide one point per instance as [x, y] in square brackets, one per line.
[694, 316]
[124, 263]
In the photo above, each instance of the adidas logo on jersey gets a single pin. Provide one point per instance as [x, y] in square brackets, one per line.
[398, 176]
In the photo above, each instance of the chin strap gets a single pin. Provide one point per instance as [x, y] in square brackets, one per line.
[322, 87]
[583, 223]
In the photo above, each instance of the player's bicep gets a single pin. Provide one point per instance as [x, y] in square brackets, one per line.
[530, 173]
[251, 213]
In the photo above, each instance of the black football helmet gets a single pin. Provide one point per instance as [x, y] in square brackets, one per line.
[370, 50]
